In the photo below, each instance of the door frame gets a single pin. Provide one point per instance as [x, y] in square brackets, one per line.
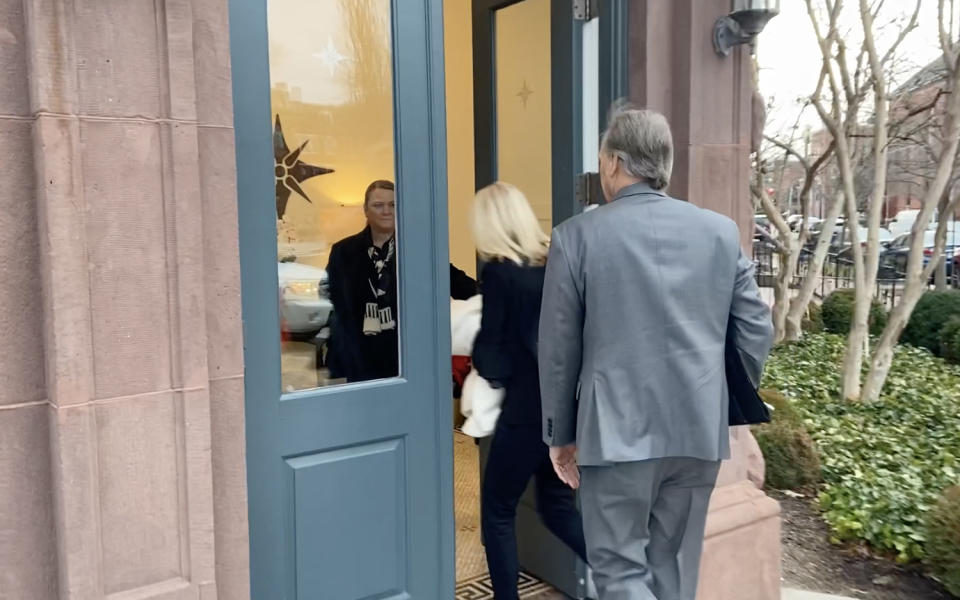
[249, 47]
[565, 60]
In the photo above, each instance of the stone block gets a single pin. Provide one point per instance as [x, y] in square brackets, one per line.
[118, 57]
[76, 500]
[127, 246]
[51, 60]
[184, 255]
[221, 252]
[196, 482]
[21, 320]
[211, 44]
[141, 486]
[14, 93]
[230, 488]
[64, 260]
[177, 47]
[28, 556]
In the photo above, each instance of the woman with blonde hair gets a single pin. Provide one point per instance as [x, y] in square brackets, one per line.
[514, 247]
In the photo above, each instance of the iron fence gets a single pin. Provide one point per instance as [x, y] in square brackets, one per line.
[837, 273]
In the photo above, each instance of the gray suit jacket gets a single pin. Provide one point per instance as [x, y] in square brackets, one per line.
[636, 302]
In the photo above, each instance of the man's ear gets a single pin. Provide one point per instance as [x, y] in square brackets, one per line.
[612, 165]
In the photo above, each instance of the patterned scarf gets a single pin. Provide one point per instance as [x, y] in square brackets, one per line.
[378, 315]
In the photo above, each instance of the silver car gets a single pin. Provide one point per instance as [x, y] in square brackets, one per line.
[305, 305]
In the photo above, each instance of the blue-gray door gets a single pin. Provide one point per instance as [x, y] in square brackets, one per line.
[349, 482]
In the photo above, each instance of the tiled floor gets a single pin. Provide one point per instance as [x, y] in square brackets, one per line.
[471, 561]
[472, 581]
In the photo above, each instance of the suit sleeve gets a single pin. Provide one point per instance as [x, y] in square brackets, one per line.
[560, 347]
[752, 324]
[490, 350]
[462, 286]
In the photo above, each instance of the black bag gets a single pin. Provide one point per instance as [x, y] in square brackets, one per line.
[746, 406]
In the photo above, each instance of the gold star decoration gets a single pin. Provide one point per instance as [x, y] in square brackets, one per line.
[289, 170]
[525, 93]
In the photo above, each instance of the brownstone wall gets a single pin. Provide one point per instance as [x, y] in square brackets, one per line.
[121, 390]
[707, 99]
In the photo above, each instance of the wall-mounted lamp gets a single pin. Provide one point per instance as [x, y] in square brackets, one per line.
[741, 26]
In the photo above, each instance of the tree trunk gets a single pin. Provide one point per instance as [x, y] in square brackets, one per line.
[800, 303]
[917, 275]
[783, 290]
[853, 355]
[883, 352]
[941, 272]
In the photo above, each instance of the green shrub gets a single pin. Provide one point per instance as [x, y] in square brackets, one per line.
[883, 463]
[950, 340]
[929, 316]
[943, 540]
[791, 457]
[813, 321]
[837, 313]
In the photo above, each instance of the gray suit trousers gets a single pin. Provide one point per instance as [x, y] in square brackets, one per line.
[644, 524]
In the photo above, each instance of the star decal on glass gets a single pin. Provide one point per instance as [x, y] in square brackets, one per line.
[289, 171]
[525, 93]
[331, 56]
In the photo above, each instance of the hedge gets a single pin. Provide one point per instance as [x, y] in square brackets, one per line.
[837, 313]
[791, 458]
[943, 526]
[950, 341]
[884, 463]
[933, 311]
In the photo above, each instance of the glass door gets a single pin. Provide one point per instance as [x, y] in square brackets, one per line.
[338, 109]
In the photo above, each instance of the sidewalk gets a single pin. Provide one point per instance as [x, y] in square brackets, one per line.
[788, 594]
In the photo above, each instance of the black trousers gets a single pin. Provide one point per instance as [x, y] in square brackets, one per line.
[517, 453]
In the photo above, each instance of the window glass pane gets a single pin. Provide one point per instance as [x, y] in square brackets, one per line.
[332, 113]
[522, 48]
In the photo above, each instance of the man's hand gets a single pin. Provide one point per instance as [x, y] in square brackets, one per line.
[564, 459]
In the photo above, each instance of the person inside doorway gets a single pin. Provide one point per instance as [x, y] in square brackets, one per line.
[509, 238]
[362, 275]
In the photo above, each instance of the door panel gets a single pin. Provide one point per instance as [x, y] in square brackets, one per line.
[349, 486]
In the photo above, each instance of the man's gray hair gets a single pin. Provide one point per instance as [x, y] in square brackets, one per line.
[642, 141]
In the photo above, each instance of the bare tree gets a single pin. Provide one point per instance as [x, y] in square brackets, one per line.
[918, 275]
[849, 83]
[789, 309]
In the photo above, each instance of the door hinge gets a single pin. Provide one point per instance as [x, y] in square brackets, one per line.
[587, 189]
[584, 10]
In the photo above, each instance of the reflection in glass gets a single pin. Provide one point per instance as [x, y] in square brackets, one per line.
[332, 104]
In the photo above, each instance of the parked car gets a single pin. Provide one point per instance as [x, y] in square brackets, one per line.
[794, 221]
[305, 305]
[761, 222]
[893, 262]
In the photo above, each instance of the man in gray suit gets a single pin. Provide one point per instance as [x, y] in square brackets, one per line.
[636, 303]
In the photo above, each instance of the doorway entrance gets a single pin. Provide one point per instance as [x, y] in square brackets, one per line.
[342, 174]
[533, 89]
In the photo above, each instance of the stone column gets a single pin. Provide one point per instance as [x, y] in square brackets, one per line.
[28, 557]
[117, 119]
[707, 99]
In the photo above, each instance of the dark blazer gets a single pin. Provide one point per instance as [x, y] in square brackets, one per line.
[351, 354]
[462, 286]
[505, 349]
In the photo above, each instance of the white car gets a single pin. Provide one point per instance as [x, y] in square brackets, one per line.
[305, 305]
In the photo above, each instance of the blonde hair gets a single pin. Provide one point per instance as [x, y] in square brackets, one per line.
[505, 227]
